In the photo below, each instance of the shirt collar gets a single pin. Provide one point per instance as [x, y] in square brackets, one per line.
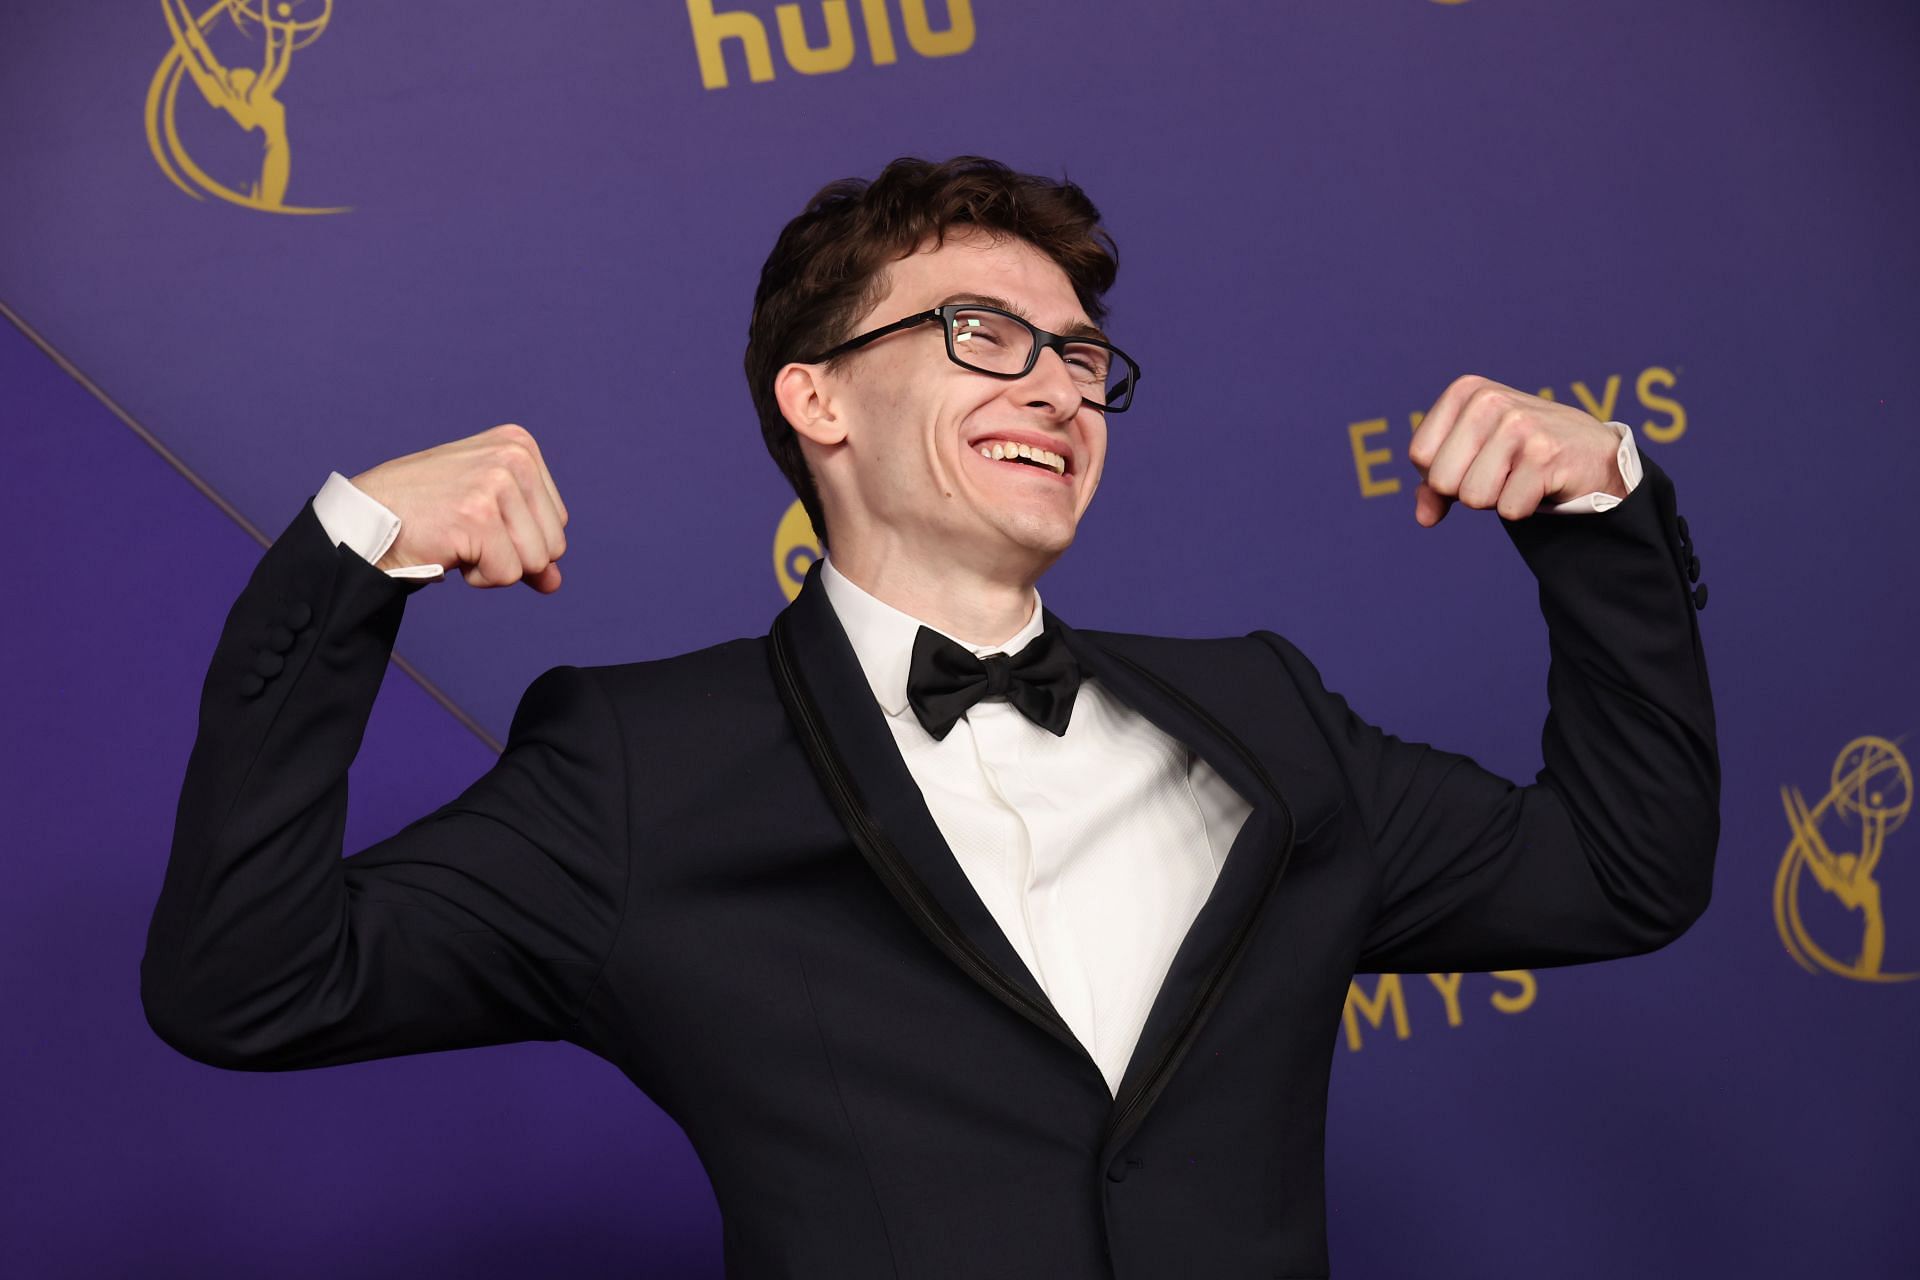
[882, 636]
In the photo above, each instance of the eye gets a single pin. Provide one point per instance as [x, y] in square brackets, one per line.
[1092, 362]
[973, 331]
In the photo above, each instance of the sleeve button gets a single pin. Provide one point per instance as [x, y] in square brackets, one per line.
[279, 639]
[251, 685]
[1693, 568]
[1700, 596]
[299, 614]
[268, 665]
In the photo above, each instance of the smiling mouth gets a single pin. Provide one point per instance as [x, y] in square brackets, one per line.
[1025, 455]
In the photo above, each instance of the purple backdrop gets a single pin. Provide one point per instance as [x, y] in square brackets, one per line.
[1325, 212]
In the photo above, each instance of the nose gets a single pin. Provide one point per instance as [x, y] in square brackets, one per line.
[1049, 385]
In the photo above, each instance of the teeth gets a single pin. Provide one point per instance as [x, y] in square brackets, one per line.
[1001, 451]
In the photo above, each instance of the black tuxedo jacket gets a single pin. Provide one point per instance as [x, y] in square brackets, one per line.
[716, 872]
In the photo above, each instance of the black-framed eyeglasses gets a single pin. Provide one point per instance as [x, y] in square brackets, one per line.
[1002, 345]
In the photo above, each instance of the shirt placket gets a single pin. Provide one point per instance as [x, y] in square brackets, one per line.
[1002, 740]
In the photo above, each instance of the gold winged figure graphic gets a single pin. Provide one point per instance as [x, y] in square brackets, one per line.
[247, 95]
[1871, 787]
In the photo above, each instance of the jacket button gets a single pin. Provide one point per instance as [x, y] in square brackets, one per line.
[1693, 568]
[1681, 521]
[267, 664]
[251, 685]
[279, 639]
[1700, 596]
[1118, 1170]
[298, 614]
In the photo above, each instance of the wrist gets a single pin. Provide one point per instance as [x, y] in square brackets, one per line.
[355, 519]
[1615, 473]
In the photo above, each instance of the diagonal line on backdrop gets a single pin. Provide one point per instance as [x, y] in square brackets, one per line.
[232, 512]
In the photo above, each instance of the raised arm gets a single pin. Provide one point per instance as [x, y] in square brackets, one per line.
[273, 72]
[1610, 850]
[197, 55]
[482, 922]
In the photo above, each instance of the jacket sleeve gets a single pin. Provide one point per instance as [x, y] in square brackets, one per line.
[483, 922]
[1609, 851]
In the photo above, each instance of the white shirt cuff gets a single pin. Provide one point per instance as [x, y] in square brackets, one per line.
[363, 525]
[1630, 471]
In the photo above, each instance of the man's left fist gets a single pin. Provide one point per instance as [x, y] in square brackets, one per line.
[1488, 445]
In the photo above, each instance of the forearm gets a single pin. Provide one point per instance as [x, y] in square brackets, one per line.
[1609, 852]
[253, 905]
[1630, 744]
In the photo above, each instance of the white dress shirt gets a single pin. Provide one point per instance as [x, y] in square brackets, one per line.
[1093, 851]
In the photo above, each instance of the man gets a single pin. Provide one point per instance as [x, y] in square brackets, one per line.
[960, 942]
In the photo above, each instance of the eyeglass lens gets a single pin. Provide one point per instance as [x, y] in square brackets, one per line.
[995, 343]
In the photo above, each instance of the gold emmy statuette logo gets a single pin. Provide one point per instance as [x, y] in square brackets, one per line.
[795, 548]
[1869, 793]
[249, 96]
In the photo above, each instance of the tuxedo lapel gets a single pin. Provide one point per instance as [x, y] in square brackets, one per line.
[828, 698]
[1207, 955]
[831, 704]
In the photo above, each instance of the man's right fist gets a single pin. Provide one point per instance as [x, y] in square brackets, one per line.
[485, 505]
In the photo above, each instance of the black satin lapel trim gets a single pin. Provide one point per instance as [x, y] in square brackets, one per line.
[883, 808]
[1206, 957]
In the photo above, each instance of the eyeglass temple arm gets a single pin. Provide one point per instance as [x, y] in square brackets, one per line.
[854, 344]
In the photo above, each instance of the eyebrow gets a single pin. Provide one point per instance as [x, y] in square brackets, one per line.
[1078, 329]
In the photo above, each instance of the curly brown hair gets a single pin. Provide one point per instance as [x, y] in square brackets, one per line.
[828, 268]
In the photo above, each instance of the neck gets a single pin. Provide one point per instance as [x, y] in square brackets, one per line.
[964, 603]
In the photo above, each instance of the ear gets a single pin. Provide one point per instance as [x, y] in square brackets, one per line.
[804, 397]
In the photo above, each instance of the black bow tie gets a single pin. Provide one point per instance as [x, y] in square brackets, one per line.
[944, 679]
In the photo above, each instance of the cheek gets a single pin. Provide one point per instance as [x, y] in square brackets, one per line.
[958, 415]
[1095, 440]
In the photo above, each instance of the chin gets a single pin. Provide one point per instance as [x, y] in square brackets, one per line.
[1045, 539]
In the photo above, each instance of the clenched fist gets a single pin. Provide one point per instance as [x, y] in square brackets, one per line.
[1488, 445]
[485, 505]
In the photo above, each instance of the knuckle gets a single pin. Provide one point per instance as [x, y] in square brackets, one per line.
[1495, 402]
